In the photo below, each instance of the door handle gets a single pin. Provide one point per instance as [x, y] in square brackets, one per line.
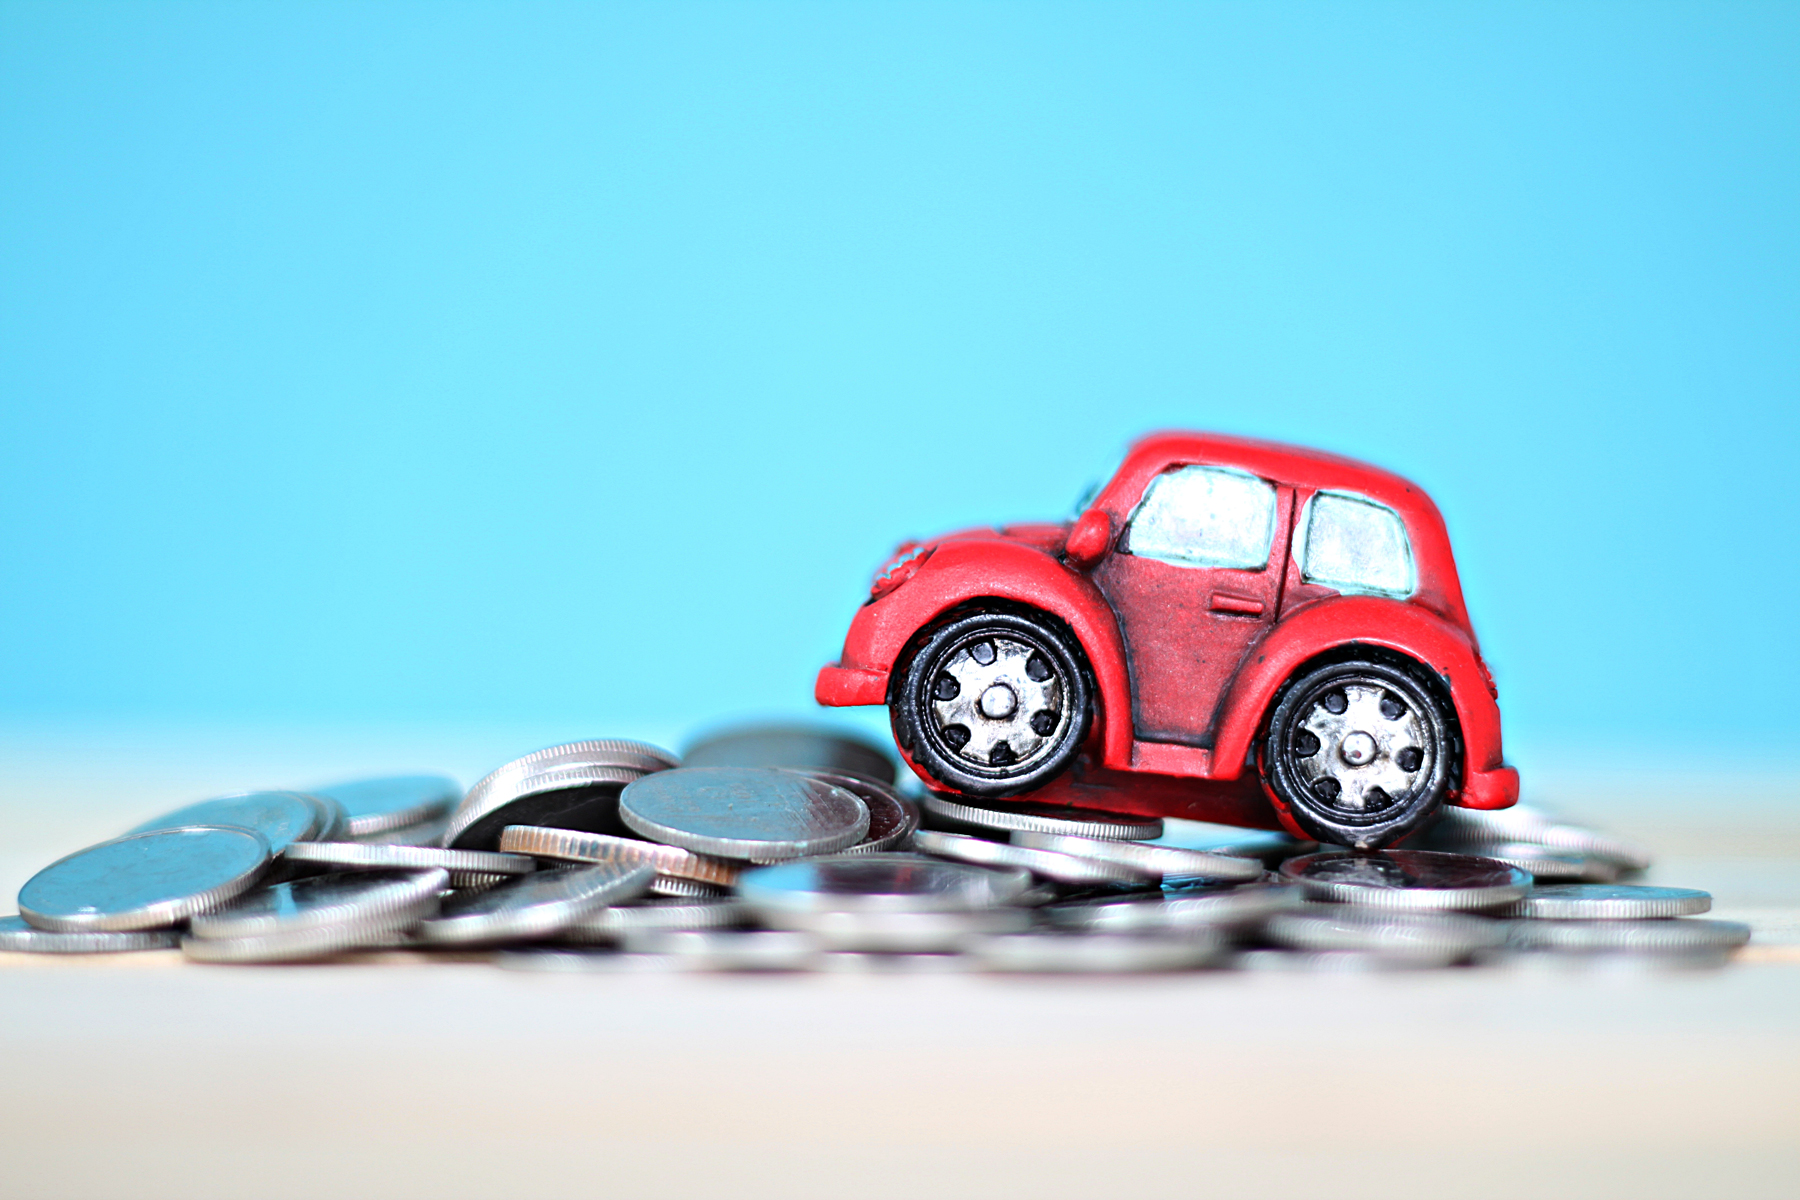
[1234, 602]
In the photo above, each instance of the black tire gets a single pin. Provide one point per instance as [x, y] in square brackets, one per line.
[1360, 752]
[1034, 683]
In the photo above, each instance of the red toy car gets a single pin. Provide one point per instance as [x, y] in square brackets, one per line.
[1231, 630]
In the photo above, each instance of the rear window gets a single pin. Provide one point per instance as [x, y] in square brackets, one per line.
[1355, 545]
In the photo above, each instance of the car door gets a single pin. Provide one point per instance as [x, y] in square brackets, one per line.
[1195, 582]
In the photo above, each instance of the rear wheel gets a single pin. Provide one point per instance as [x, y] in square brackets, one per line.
[1359, 752]
[993, 704]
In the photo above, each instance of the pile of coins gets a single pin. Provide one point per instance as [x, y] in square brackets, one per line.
[791, 849]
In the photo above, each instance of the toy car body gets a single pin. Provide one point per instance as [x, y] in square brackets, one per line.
[1230, 630]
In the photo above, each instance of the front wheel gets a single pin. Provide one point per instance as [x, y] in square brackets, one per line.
[992, 704]
[1359, 753]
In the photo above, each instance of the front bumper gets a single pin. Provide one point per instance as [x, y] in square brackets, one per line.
[845, 687]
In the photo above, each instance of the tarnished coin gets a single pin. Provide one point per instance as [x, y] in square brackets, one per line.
[282, 818]
[1064, 868]
[378, 806]
[1226, 907]
[1609, 902]
[1662, 936]
[1041, 818]
[535, 905]
[572, 786]
[370, 856]
[16, 935]
[1434, 937]
[1407, 879]
[1547, 865]
[901, 932]
[723, 950]
[878, 883]
[145, 880]
[608, 925]
[1473, 829]
[1151, 861]
[744, 812]
[800, 747]
[568, 845]
[892, 817]
[1063, 953]
[316, 917]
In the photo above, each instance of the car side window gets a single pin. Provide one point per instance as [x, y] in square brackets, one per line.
[1355, 545]
[1205, 517]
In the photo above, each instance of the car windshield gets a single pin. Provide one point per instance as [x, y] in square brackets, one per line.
[1092, 490]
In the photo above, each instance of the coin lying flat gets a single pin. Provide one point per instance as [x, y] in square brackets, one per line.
[145, 880]
[1062, 953]
[744, 812]
[1610, 902]
[575, 785]
[1064, 868]
[377, 806]
[371, 856]
[877, 883]
[282, 818]
[1041, 818]
[799, 747]
[608, 925]
[1547, 865]
[317, 917]
[568, 845]
[1225, 907]
[1153, 862]
[1436, 937]
[1407, 879]
[892, 817]
[535, 905]
[16, 935]
[1662, 936]
[1473, 829]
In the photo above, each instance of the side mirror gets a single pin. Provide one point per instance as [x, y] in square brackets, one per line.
[1089, 540]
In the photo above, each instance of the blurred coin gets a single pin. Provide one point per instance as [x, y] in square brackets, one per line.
[1041, 818]
[744, 812]
[282, 818]
[664, 916]
[1264, 845]
[869, 962]
[426, 833]
[1471, 829]
[1407, 879]
[1155, 862]
[1664, 936]
[588, 962]
[535, 905]
[1433, 937]
[1609, 902]
[568, 845]
[877, 883]
[1064, 868]
[16, 935]
[1324, 962]
[800, 747]
[377, 806]
[674, 887]
[377, 855]
[317, 917]
[892, 817]
[1224, 907]
[145, 880]
[1063, 953]
[1543, 863]
[720, 950]
[332, 820]
[900, 932]
[572, 786]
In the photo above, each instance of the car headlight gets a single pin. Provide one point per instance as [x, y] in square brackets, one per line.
[899, 569]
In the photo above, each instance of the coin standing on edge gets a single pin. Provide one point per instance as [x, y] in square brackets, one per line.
[575, 785]
[377, 806]
[1407, 879]
[744, 812]
[570, 845]
[16, 935]
[145, 880]
[1042, 818]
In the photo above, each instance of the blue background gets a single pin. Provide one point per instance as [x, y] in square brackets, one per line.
[578, 364]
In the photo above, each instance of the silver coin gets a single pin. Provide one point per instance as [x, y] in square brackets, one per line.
[1609, 902]
[383, 900]
[1038, 818]
[900, 932]
[674, 887]
[370, 856]
[282, 818]
[333, 821]
[1264, 845]
[145, 880]
[1434, 937]
[1064, 868]
[18, 936]
[721, 950]
[744, 812]
[568, 845]
[1547, 865]
[1472, 829]
[1063, 953]
[1407, 879]
[871, 962]
[575, 785]
[426, 833]
[1151, 861]
[663, 916]
[878, 883]
[892, 817]
[800, 747]
[377, 806]
[1324, 962]
[1660, 936]
[1224, 907]
[535, 905]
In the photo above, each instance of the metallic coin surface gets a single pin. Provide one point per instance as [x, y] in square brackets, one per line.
[892, 817]
[378, 855]
[1659, 936]
[1553, 866]
[1227, 907]
[1064, 868]
[1062, 953]
[1471, 830]
[800, 747]
[575, 785]
[1435, 937]
[1265, 845]
[1154, 862]
[1609, 902]
[608, 925]
[722, 950]
[18, 936]
[1040, 818]
[377, 806]
[282, 818]
[145, 880]
[535, 905]
[568, 845]
[900, 932]
[1407, 879]
[674, 887]
[744, 812]
[382, 900]
[893, 882]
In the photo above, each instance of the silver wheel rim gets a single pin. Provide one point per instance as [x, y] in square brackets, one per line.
[1362, 749]
[997, 702]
